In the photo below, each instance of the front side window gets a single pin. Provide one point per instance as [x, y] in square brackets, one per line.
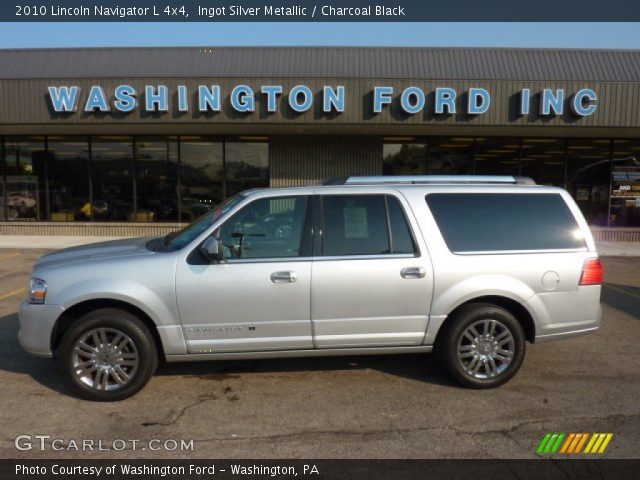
[266, 228]
[485, 222]
[364, 225]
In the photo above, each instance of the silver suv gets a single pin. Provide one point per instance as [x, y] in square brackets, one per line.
[470, 267]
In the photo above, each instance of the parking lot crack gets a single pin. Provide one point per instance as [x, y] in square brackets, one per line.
[203, 399]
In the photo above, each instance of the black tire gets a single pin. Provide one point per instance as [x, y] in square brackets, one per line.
[113, 320]
[453, 337]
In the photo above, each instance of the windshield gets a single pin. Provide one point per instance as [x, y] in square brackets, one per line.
[181, 238]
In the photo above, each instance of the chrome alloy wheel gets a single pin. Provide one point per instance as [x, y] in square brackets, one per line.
[105, 359]
[485, 349]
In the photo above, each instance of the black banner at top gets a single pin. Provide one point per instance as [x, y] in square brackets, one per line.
[320, 11]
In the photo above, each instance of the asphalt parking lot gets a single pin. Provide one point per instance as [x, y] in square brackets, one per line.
[351, 407]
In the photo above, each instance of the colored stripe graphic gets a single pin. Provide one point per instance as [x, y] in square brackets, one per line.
[550, 443]
[598, 443]
[581, 443]
[568, 442]
[573, 443]
[604, 445]
[543, 443]
[556, 445]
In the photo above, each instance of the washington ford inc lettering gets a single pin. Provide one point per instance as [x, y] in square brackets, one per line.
[301, 98]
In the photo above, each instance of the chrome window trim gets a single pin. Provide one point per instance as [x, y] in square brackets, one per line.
[264, 260]
[521, 252]
[315, 259]
[364, 257]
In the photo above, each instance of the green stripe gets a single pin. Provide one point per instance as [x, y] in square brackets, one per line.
[543, 443]
[550, 443]
[558, 443]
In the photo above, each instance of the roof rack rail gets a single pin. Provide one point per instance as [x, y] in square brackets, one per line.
[432, 179]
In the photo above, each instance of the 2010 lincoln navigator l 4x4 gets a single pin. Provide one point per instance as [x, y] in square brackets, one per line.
[470, 267]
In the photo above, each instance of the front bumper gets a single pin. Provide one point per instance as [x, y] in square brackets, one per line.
[36, 325]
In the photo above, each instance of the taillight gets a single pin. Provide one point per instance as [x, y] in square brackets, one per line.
[592, 272]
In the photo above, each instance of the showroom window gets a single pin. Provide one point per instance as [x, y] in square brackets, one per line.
[202, 175]
[156, 163]
[450, 156]
[246, 164]
[125, 178]
[432, 156]
[69, 179]
[25, 174]
[588, 177]
[112, 170]
[404, 156]
[543, 159]
[497, 156]
[625, 183]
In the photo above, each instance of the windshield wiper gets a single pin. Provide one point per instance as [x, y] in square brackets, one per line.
[164, 241]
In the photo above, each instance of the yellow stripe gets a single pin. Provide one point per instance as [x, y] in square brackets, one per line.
[11, 294]
[15, 254]
[593, 439]
[622, 290]
[567, 442]
[605, 443]
[596, 445]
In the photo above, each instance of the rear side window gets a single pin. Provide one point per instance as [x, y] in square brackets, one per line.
[364, 225]
[401, 239]
[484, 222]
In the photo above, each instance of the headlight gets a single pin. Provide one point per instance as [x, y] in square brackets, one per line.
[37, 290]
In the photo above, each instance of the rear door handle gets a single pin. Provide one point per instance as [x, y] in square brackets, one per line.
[284, 277]
[413, 272]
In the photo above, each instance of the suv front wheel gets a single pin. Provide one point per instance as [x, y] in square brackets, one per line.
[108, 354]
[482, 346]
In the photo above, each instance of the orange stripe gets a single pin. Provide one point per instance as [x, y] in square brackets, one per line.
[580, 445]
[576, 439]
[567, 442]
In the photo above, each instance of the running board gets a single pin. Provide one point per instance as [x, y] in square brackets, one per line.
[322, 352]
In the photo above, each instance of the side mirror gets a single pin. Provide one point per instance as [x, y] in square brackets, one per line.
[211, 249]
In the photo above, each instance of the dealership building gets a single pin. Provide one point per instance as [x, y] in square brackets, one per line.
[136, 140]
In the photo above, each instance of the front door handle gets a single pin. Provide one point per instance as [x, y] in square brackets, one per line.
[413, 272]
[284, 277]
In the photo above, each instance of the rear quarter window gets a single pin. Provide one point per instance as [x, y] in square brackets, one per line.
[485, 222]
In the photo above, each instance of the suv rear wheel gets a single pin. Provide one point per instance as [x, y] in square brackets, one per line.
[483, 346]
[108, 354]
